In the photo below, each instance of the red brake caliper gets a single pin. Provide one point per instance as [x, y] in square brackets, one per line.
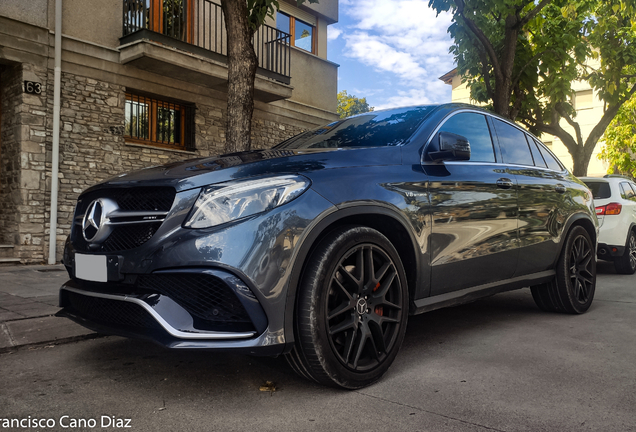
[379, 310]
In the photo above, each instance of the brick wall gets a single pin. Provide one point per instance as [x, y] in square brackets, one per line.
[35, 124]
[10, 198]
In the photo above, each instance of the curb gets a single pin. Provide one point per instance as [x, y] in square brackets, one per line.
[43, 330]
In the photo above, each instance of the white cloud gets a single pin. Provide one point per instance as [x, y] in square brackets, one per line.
[333, 32]
[372, 51]
[433, 92]
[365, 92]
[395, 17]
[406, 98]
[402, 38]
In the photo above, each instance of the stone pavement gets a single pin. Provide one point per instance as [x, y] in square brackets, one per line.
[28, 303]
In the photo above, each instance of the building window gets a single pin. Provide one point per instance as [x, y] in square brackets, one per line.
[584, 99]
[173, 18]
[302, 33]
[159, 122]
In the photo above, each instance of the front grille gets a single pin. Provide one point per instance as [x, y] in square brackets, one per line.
[132, 199]
[111, 312]
[130, 236]
[204, 296]
[144, 198]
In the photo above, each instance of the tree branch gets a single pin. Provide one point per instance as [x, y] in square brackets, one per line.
[485, 71]
[515, 81]
[533, 13]
[490, 50]
[609, 114]
[554, 128]
[577, 129]
[629, 94]
[519, 98]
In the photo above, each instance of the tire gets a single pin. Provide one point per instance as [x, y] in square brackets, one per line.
[626, 264]
[572, 289]
[351, 310]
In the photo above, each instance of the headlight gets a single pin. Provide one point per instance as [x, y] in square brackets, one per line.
[234, 200]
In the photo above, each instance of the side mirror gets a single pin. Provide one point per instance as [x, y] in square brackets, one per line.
[447, 146]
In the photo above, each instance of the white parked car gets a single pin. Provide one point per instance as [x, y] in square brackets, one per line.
[615, 200]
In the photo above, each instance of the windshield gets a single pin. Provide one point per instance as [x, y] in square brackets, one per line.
[381, 129]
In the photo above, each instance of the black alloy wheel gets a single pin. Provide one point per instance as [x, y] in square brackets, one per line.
[626, 264]
[352, 309]
[582, 271]
[364, 307]
[572, 289]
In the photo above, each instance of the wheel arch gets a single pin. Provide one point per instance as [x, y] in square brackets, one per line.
[579, 219]
[387, 221]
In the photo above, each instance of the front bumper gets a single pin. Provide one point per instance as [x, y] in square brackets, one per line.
[216, 321]
[253, 257]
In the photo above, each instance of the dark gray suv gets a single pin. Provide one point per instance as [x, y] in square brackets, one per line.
[321, 247]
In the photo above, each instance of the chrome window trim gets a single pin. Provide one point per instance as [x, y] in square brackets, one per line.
[167, 327]
[486, 114]
[499, 164]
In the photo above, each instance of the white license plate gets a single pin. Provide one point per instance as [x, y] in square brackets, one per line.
[91, 267]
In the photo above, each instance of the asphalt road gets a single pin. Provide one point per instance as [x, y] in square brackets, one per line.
[498, 364]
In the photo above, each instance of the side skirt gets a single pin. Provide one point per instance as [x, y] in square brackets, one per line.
[468, 295]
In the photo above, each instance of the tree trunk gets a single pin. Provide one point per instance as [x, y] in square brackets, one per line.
[581, 162]
[503, 81]
[242, 64]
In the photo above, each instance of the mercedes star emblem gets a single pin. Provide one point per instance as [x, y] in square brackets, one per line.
[93, 219]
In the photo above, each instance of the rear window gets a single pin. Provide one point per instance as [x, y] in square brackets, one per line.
[553, 164]
[513, 144]
[382, 129]
[536, 154]
[600, 190]
[626, 191]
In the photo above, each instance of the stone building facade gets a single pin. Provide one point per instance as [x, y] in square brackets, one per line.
[96, 81]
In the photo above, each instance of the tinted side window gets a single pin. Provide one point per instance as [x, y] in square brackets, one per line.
[514, 147]
[626, 191]
[634, 189]
[536, 155]
[474, 127]
[549, 159]
[600, 190]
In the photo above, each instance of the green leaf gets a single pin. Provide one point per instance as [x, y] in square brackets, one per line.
[349, 105]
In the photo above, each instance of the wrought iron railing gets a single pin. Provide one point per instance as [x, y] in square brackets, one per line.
[200, 23]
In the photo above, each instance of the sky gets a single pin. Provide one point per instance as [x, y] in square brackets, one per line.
[391, 51]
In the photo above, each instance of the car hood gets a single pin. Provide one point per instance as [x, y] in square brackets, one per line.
[195, 173]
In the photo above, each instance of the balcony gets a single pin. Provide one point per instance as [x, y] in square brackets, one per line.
[187, 39]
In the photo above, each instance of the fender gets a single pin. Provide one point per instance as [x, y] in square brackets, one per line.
[322, 225]
[568, 225]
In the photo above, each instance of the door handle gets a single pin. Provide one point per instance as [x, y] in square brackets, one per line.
[504, 183]
[560, 188]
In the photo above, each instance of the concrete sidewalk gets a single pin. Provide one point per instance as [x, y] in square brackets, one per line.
[28, 303]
